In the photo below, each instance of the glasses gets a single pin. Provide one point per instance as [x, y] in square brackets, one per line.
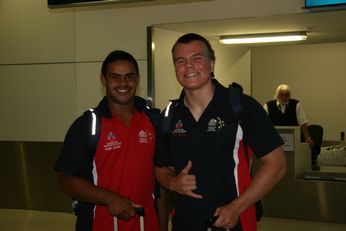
[126, 77]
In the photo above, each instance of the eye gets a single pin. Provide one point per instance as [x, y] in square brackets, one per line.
[197, 58]
[179, 61]
[131, 76]
[115, 76]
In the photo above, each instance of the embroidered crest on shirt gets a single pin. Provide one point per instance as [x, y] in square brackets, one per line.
[179, 128]
[145, 136]
[112, 142]
[215, 124]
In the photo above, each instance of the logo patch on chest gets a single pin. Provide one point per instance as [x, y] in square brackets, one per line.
[179, 129]
[145, 136]
[112, 142]
[215, 124]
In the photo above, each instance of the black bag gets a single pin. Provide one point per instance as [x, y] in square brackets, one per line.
[259, 210]
[235, 92]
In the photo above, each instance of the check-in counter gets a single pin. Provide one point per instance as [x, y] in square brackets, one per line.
[299, 197]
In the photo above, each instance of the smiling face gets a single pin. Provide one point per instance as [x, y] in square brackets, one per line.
[121, 82]
[193, 67]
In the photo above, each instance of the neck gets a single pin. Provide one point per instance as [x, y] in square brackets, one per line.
[123, 111]
[198, 100]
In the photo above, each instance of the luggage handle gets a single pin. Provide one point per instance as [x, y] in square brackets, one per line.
[140, 212]
[210, 223]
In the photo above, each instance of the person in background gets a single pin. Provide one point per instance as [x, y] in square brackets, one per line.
[117, 177]
[285, 111]
[202, 157]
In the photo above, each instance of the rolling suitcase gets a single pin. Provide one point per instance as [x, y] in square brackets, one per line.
[140, 212]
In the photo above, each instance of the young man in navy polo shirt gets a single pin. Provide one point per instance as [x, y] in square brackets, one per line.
[202, 156]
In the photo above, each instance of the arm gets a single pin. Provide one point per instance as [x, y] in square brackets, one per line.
[303, 122]
[81, 189]
[307, 138]
[162, 209]
[271, 171]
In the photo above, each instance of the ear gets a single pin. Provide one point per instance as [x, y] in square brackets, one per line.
[212, 66]
[138, 80]
[103, 80]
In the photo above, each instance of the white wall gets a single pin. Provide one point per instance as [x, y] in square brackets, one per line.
[233, 64]
[316, 75]
[166, 85]
[50, 58]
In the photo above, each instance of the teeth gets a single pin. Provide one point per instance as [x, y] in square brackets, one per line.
[191, 74]
[123, 91]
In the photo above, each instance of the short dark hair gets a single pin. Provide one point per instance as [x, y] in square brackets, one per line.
[118, 55]
[190, 37]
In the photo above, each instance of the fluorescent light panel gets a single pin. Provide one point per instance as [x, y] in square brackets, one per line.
[263, 38]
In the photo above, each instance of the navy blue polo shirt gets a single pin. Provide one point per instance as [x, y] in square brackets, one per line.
[212, 147]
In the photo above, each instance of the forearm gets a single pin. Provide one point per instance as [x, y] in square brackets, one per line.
[272, 169]
[304, 128]
[162, 207]
[164, 175]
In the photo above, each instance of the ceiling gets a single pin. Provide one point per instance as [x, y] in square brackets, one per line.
[322, 27]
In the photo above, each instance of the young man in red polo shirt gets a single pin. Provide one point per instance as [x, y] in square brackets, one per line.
[117, 177]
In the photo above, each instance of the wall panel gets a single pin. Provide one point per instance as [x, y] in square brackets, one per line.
[37, 101]
[32, 33]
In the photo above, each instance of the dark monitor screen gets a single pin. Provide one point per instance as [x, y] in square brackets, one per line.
[60, 3]
[323, 3]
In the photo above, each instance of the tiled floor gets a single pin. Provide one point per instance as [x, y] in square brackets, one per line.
[28, 220]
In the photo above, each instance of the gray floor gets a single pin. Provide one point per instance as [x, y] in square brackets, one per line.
[28, 220]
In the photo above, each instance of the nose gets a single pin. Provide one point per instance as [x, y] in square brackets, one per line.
[189, 62]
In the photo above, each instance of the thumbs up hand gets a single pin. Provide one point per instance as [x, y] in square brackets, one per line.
[184, 183]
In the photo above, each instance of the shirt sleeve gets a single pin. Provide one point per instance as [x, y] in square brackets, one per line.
[301, 116]
[261, 134]
[75, 158]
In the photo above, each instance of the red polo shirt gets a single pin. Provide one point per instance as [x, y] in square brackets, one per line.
[124, 164]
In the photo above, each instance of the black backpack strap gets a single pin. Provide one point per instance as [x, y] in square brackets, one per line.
[95, 128]
[93, 138]
[153, 114]
[167, 117]
[235, 93]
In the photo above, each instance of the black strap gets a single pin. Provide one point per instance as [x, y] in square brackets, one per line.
[154, 115]
[167, 117]
[235, 93]
[95, 128]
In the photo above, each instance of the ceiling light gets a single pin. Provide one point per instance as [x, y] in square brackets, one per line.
[263, 38]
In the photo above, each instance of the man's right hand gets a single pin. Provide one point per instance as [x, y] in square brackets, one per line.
[120, 206]
[184, 183]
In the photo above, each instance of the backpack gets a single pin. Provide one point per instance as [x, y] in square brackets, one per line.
[235, 93]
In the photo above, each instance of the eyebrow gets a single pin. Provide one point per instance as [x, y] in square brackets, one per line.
[193, 55]
[115, 73]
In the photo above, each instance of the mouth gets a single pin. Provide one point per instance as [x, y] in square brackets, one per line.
[191, 75]
[122, 90]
